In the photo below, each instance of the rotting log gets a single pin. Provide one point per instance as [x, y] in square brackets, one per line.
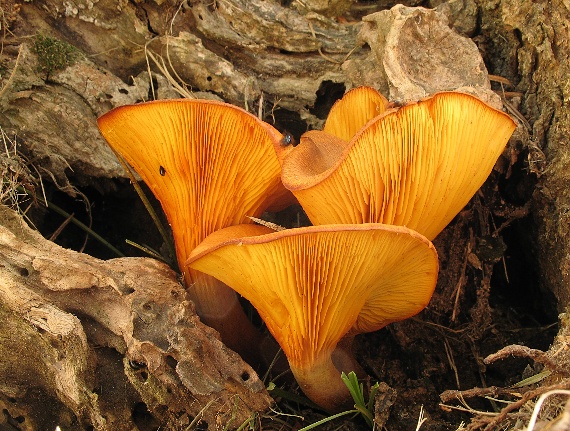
[107, 339]
[541, 62]
[249, 53]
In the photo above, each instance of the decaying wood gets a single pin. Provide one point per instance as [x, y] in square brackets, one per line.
[245, 52]
[414, 74]
[543, 70]
[93, 333]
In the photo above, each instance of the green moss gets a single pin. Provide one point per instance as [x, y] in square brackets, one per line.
[53, 54]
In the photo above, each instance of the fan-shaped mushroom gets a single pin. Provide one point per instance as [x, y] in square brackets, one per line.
[346, 117]
[356, 108]
[210, 165]
[415, 166]
[313, 285]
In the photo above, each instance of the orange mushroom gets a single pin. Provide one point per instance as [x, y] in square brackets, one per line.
[211, 165]
[415, 166]
[346, 117]
[313, 285]
[356, 108]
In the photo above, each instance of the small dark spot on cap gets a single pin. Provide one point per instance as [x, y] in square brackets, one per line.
[162, 171]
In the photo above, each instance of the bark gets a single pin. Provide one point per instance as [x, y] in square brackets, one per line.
[106, 338]
[543, 58]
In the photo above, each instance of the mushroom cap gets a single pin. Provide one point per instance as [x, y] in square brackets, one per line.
[312, 285]
[210, 164]
[347, 115]
[415, 166]
[356, 108]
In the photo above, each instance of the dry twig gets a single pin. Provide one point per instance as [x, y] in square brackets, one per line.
[521, 351]
[565, 384]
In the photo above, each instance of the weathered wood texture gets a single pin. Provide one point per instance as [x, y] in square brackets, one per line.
[528, 42]
[248, 53]
[104, 337]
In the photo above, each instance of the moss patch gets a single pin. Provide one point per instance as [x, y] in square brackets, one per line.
[53, 54]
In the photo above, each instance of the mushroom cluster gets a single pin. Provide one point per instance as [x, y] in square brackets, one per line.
[378, 184]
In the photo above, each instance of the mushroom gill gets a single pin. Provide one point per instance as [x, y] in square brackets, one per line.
[211, 165]
[313, 285]
[417, 165]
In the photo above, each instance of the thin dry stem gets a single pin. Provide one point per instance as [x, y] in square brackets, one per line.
[565, 384]
[175, 81]
[521, 351]
[13, 73]
[268, 224]
[451, 361]
[539, 403]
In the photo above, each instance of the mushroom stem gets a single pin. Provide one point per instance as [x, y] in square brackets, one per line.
[226, 316]
[344, 358]
[321, 383]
